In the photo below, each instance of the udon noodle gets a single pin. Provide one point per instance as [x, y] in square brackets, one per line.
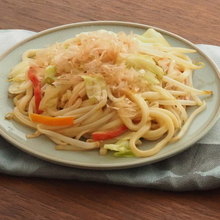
[107, 91]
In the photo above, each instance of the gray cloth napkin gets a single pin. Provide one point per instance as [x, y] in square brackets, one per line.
[197, 168]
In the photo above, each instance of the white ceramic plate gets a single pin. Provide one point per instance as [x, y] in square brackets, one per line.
[207, 79]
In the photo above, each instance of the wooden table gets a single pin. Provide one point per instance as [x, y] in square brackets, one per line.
[35, 198]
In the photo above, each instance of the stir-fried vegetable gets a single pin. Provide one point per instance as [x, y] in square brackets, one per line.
[37, 88]
[94, 87]
[145, 62]
[17, 77]
[121, 147]
[50, 72]
[105, 135]
[52, 121]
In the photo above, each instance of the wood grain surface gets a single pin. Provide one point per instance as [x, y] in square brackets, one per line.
[198, 21]
[31, 198]
[35, 198]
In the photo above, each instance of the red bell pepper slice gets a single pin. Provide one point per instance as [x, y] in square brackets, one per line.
[37, 88]
[105, 135]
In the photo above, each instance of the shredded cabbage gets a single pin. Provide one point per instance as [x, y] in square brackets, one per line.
[50, 72]
[153, 37]
[121, 147]
[50, 99]
[17, 77]
[139, 61]
[94, 86]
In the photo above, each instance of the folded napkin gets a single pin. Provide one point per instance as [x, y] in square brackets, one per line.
[197, 168]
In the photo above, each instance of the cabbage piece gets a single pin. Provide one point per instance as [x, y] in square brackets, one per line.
[153, 36]
[17, 77]
[51, 97]
[149, 77]
[94, 84]
[138, 61]
[49, 74]
[17, 87]
[121, 147]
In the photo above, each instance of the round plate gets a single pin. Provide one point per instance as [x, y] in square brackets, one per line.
[206, 79]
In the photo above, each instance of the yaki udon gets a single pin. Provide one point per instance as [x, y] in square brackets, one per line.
[107, 91]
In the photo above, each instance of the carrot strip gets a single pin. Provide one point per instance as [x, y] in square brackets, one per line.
[52, 121]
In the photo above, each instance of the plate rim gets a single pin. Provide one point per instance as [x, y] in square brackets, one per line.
[100, 166]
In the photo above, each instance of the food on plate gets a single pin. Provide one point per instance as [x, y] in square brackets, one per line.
[107, 91]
